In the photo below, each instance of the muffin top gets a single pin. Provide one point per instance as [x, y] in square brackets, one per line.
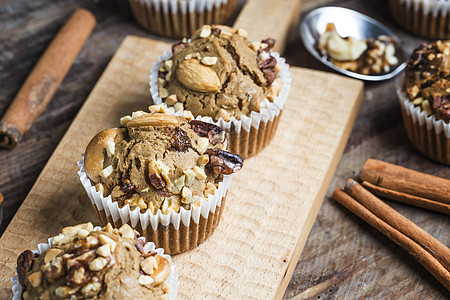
[159, 161]
[86, 264]
[220, 74]
[426, 79]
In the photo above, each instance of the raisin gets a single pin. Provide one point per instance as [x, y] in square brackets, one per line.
[24, 264]
[181, 141]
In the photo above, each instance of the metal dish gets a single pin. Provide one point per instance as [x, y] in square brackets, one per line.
[348, 23]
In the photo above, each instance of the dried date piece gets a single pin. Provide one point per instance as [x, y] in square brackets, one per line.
[214, 133]
[216, 31]
[176, 48]
[77, 275]
[181, 141]
[126, 185]
[24, 264]
[269, 42]
[268, 67]
[441, 106]
[140, 246]
[56, 270]
[157, 181]
[224, 162]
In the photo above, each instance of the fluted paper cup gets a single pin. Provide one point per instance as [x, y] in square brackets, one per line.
[172, 280]
[250, 134]
[428, 18]
[180, 18]
[429, 135]
[174, 232]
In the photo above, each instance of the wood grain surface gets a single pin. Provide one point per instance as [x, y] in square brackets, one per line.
[271, 204]
[269, 18]
[343, 257]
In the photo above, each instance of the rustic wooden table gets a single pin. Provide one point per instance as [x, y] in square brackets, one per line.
[343, 257]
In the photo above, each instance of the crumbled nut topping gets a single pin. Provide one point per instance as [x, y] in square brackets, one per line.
[199, 71]
[368, 57]
[426, 79]
[79, 268]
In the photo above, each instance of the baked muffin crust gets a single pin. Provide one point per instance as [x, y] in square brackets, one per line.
[220, 74]
[157, 161]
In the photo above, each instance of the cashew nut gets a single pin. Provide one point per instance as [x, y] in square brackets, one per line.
[162, 272]
[96, 151]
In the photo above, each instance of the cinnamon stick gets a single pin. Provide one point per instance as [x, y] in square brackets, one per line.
[407, 199]
[399, 222]
[407, 181]
[45, 78]
[423, 256]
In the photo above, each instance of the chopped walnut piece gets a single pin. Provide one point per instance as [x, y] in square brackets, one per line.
[202, 143]
[126, 231]
[106, 172]
[65, 291]
[178, 106]
[205, 31]
[210, 189]
[36, 278]
[203, 160]
[51, 254]
[225, 115]
[145, 280]
[186, 193]
[149, 264]
[98, 264]
[104, 250]
[124, 120]
[190, 177]
[199, 172]
[163, 93]
[171, 100]
[91, 289]
[209, 60]
[107, 240]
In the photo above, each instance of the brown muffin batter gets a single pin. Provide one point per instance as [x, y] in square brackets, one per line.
[85, 264]
[158, 161]
[426, 79]
[220, 74]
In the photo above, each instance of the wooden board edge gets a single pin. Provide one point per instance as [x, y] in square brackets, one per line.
[256, 9]
[298, 249]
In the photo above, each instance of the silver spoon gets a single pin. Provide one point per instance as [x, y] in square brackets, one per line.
[348, 23]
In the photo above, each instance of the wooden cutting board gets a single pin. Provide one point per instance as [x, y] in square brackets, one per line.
[272, 201]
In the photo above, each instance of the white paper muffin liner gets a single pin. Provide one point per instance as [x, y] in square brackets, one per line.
[174, 232]
[172, 280]
[429, 135]
[428, 18]
[180, 18]
[249, 135]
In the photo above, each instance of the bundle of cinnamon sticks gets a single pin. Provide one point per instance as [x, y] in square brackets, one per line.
[410, 187]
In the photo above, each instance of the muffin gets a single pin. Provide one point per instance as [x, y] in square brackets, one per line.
[180, 18]
[427, 18]
[83, 262]
[165, 175]
[424, 94]
[223, 78]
